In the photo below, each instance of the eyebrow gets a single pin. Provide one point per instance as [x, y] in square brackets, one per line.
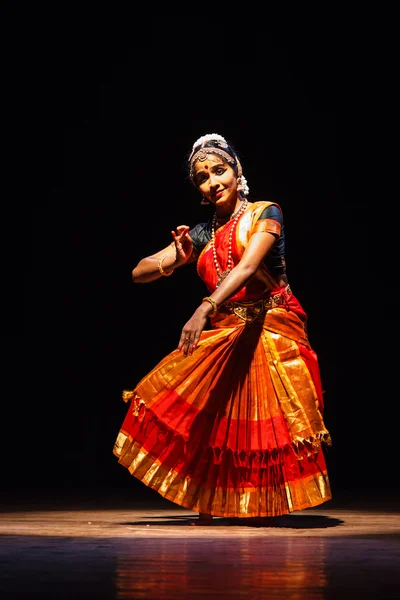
[220, 164]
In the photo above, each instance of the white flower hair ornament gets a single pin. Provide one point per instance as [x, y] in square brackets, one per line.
[208, 137]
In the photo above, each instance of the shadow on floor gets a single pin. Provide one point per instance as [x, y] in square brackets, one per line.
[286, 521]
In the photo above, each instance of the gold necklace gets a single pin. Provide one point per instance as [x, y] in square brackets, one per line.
[234, 219]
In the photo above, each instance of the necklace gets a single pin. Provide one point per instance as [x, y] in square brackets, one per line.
[234, 219]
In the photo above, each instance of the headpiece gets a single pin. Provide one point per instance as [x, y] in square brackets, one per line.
[213, 143]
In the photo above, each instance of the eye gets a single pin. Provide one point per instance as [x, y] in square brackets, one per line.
[220, 171]
[200, 178]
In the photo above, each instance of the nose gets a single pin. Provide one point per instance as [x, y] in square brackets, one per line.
[212, 181]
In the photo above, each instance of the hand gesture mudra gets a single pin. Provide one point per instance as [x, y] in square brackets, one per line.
[191, 332]
[183, 244]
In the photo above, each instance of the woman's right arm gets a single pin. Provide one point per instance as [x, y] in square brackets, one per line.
[164, 262]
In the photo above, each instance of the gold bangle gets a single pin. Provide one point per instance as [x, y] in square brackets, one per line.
[213, 304]
[165, 273]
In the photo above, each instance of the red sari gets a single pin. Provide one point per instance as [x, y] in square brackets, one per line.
[236, 429]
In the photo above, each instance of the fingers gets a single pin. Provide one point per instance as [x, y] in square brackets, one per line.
[183, 243]
[181, 232]
[191, 333]
[188, 343]
[181, 229]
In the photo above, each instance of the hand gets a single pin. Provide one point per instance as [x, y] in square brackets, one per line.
[183, 244]
[192, 330]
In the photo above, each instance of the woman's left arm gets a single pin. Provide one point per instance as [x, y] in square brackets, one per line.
[258, 247]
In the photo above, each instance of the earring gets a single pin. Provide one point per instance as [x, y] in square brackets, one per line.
[242, 185]
[204, 201]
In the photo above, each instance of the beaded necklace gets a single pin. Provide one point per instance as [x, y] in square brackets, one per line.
[234, 219]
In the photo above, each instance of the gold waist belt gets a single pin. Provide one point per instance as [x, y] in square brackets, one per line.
[249, 311]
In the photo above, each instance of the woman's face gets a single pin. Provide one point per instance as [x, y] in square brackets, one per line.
[216, 180]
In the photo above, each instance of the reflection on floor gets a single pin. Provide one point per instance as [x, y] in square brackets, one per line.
[107, 550]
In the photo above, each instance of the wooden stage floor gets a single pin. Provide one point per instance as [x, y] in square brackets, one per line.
[110, 550]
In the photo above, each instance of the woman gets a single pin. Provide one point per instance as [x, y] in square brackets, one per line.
[230, 423]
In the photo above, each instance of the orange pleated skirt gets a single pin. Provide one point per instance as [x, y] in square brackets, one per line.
[236, 429]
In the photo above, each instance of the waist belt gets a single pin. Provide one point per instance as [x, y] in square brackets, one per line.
[249, 311]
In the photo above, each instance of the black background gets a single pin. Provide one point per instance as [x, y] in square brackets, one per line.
[102, 109]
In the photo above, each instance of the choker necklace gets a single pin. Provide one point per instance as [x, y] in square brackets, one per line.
[234, 219]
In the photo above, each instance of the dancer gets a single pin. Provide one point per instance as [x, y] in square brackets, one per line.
[230, 423]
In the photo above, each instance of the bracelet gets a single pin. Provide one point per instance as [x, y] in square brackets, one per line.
[213, 304]
[165, 273]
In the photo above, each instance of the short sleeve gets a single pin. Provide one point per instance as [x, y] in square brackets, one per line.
[200, 235]
[270, 221]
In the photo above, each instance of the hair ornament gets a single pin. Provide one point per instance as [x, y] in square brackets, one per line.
[242, 185]
[211, 137]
